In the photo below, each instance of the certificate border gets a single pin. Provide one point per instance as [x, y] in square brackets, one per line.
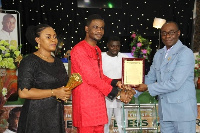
[133, 59]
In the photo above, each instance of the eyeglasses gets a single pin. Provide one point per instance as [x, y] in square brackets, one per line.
[170, 33]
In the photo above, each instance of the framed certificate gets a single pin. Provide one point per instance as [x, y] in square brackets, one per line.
[133, 71]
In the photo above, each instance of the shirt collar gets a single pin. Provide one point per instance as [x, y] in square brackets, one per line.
[167, 50]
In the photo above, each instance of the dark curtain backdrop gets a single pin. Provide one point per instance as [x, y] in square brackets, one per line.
[135, 15]
[196, 45]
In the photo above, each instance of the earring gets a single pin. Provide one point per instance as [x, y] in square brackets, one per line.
[38, 46]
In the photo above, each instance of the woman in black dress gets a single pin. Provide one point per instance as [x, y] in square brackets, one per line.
[41, 81]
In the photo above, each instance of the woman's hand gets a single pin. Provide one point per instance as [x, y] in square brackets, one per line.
[62, 93]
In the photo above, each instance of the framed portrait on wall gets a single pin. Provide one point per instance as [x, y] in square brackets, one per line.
[9, 27]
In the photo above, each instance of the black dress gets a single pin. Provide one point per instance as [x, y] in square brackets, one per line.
[43, 115]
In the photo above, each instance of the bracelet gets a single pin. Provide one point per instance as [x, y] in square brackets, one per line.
[51, 92]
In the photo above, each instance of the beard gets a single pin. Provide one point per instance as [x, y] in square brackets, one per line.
[95, 38]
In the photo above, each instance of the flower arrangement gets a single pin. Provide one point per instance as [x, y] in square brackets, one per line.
[10, 55]
[8, 85]
[4, 95]
[140, 47]
[197, 66]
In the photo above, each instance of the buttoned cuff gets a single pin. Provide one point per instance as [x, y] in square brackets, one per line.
[114, 82]
[113, 93]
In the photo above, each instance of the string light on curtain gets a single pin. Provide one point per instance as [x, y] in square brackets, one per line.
[68, 15]
[158, 23]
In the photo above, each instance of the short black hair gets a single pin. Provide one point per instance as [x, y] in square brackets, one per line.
[113, 38]
[173, 23]
[5, 17]
[93, 17]
[12, 114]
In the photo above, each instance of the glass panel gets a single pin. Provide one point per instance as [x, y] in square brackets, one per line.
[140, 116]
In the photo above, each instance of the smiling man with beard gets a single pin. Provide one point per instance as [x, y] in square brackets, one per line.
[88, 99]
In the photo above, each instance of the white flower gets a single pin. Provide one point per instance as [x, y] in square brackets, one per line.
[4, 91]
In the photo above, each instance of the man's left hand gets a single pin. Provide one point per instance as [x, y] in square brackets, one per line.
[142, 88]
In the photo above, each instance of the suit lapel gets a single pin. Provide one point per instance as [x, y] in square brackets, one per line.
[164, 60]
[176, 48]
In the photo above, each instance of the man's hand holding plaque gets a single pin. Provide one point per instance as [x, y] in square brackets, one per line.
[125, 94]
[132, 76]
[141, 87]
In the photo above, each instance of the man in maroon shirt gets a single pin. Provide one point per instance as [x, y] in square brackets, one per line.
[88, 99]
